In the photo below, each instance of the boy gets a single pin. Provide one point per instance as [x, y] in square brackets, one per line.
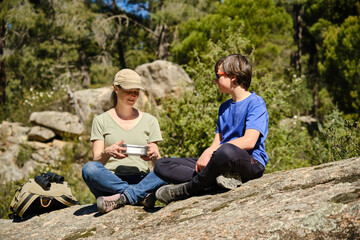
[239, 144]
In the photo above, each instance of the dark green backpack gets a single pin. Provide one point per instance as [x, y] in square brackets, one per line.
[31, 198]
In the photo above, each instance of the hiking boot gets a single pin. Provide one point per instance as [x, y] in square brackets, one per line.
[149, 201]
[107, 204]
[229, 181]
[169, 193]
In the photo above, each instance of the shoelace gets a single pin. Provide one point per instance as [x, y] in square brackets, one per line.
[111, 203]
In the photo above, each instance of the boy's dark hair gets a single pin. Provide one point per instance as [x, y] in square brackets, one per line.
[236, 65]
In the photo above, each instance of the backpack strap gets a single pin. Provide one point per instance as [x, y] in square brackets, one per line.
[20, 209]
[67, 200]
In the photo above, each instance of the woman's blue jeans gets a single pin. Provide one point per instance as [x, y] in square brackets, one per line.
[103, 182]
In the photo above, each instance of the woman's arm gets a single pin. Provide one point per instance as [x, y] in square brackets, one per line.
[153, 154]
[102, 154]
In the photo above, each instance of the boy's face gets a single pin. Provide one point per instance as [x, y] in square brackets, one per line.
[223, 81]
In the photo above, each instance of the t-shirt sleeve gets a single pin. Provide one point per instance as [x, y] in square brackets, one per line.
[257, 117]
[155, 133]
[97, 129]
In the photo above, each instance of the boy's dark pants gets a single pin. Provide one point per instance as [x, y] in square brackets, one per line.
[227, 158]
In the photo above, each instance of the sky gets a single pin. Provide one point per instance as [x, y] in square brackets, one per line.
[133, 8]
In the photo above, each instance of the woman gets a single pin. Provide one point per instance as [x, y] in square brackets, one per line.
[114, 177]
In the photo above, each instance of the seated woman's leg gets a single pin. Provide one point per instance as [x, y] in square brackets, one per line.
[101, 181]
[175, 170]
[137, 192]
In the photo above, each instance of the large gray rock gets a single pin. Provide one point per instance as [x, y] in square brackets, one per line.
[162, 78]
[59, 122]
[321, 202]
[93, 102]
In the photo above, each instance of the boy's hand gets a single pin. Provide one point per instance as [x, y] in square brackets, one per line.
[203, 160]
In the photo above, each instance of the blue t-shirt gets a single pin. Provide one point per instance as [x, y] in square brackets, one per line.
[235, 117]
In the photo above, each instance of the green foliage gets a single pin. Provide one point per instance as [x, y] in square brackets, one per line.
[286, 147]
[7, 192]
[300, 99]
[340, 64]
[270, 34]
[24, 155]
[337, 138]
[331, 38]
[326, 104]
[19, 110]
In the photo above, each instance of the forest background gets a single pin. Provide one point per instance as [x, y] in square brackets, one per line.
[305, 56]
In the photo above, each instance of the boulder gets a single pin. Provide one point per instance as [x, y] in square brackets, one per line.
[59, 122]
[93, 102]
[13, 132]
[320, 202]
[9, 171]
[163, 78]
[41, 134]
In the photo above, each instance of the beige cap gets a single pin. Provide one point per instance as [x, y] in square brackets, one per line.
[128, 79]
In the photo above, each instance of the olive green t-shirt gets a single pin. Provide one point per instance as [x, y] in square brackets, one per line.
[147, 130]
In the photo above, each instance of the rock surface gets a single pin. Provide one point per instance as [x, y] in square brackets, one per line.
[34, 155]
[162, 78]
[93, 102]
[59, 122]
[42, 134]
[321, 202]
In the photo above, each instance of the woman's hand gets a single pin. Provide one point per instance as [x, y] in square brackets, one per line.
[116, 150]
[152, 153]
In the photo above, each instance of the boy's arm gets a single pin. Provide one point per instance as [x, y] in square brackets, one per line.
[206, 155]
[247, 141]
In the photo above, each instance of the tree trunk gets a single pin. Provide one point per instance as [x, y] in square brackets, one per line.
[121, 53]
[2, 63]
[163, 44]
[84, 69]
[298, 22]
[119, 45]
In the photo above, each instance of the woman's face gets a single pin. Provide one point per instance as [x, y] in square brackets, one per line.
[127, 96]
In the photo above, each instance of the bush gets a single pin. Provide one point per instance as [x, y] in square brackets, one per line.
[337, 138]
[286, 146]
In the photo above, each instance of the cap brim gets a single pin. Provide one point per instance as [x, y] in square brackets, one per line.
[130, 85]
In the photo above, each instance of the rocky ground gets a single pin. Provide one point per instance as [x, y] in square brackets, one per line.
[321, 202]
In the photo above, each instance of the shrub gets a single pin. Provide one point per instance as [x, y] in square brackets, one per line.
[337, 138]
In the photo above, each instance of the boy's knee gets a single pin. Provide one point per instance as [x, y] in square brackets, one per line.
[226, 151]
[162, 166]
[158, 167]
